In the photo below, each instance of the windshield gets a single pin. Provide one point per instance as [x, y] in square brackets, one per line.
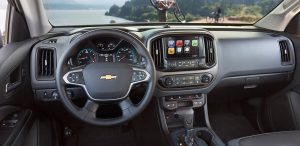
[97, 12]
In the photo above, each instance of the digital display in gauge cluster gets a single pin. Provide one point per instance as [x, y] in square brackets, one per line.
[106, 57]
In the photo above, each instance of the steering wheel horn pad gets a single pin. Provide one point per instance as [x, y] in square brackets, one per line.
[107, 81]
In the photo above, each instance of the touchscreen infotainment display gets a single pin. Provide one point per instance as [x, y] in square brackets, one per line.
[183, 47]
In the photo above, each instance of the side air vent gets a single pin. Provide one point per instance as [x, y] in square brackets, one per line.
[45, 63]
[157, 52]
[285, 51]
[209, 51]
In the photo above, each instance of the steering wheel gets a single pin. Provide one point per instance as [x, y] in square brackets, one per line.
[106, 83]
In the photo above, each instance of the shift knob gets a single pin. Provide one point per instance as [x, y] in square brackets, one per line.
[187, 115]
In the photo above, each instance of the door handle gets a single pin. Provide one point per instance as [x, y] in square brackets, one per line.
[17, 81]
[11, 86]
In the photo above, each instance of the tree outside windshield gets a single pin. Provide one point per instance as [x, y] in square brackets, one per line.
[95, 12]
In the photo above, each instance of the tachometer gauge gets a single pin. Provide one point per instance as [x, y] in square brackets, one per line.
[126, 55]
[86, 56]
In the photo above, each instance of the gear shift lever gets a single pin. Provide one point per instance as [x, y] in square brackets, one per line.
[187, 114]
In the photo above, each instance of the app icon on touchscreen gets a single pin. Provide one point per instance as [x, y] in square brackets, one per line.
[194, 43]
[171, 43]
[187, 42]
[179, 43]
[171, 51]
[187, 49]
[179, 50]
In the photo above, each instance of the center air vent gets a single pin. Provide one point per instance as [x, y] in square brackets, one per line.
[45, 63]
[157, 52]
[209, 51]
[285, 52]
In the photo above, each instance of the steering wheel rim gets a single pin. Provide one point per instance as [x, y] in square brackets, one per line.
[88, 112]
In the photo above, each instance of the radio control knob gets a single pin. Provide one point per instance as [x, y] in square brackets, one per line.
[169, 81]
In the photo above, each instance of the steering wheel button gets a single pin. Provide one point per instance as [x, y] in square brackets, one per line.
[140, 78]
[73, 77]
[134, 79]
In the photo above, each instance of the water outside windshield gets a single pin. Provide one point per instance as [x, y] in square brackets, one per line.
[97, 12]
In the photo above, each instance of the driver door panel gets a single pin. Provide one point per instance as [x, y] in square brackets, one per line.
[16, 98]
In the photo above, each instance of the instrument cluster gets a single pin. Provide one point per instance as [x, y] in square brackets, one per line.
[107, 50]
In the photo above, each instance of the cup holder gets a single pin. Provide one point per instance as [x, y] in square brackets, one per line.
[202, 137]
[205, 136]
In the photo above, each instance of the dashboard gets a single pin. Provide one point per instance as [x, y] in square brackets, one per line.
[106, 49]
[189, 61]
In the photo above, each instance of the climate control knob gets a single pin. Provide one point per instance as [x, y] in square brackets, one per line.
[206, 78]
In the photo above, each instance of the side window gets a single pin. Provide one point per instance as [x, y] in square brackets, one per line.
[3, 7]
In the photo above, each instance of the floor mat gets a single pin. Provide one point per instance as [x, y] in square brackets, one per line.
[99, 136]
[143, 130]
[230, 126]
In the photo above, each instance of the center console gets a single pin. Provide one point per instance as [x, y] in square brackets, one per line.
[185, 62]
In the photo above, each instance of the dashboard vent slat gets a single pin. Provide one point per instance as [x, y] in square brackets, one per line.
[157, 52]
[45, 63]
[209, 51]
[285, 51]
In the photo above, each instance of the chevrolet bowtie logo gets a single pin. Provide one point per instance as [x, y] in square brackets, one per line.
[108, 77]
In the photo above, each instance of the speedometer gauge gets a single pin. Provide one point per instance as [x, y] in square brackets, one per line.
[126, 55]
[86, 56]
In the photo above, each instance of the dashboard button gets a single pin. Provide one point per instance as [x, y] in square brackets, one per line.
[197, 77]
[179, 63]
[192, 82]
[172, 64]
[177, 83]
[191, 78]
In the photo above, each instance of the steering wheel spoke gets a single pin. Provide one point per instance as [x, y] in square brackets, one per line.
[139, 75]
[89, 109]
[127, 107]
[74, 77]
[91, 106]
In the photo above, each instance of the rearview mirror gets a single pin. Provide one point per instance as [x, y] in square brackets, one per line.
[163, 4]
